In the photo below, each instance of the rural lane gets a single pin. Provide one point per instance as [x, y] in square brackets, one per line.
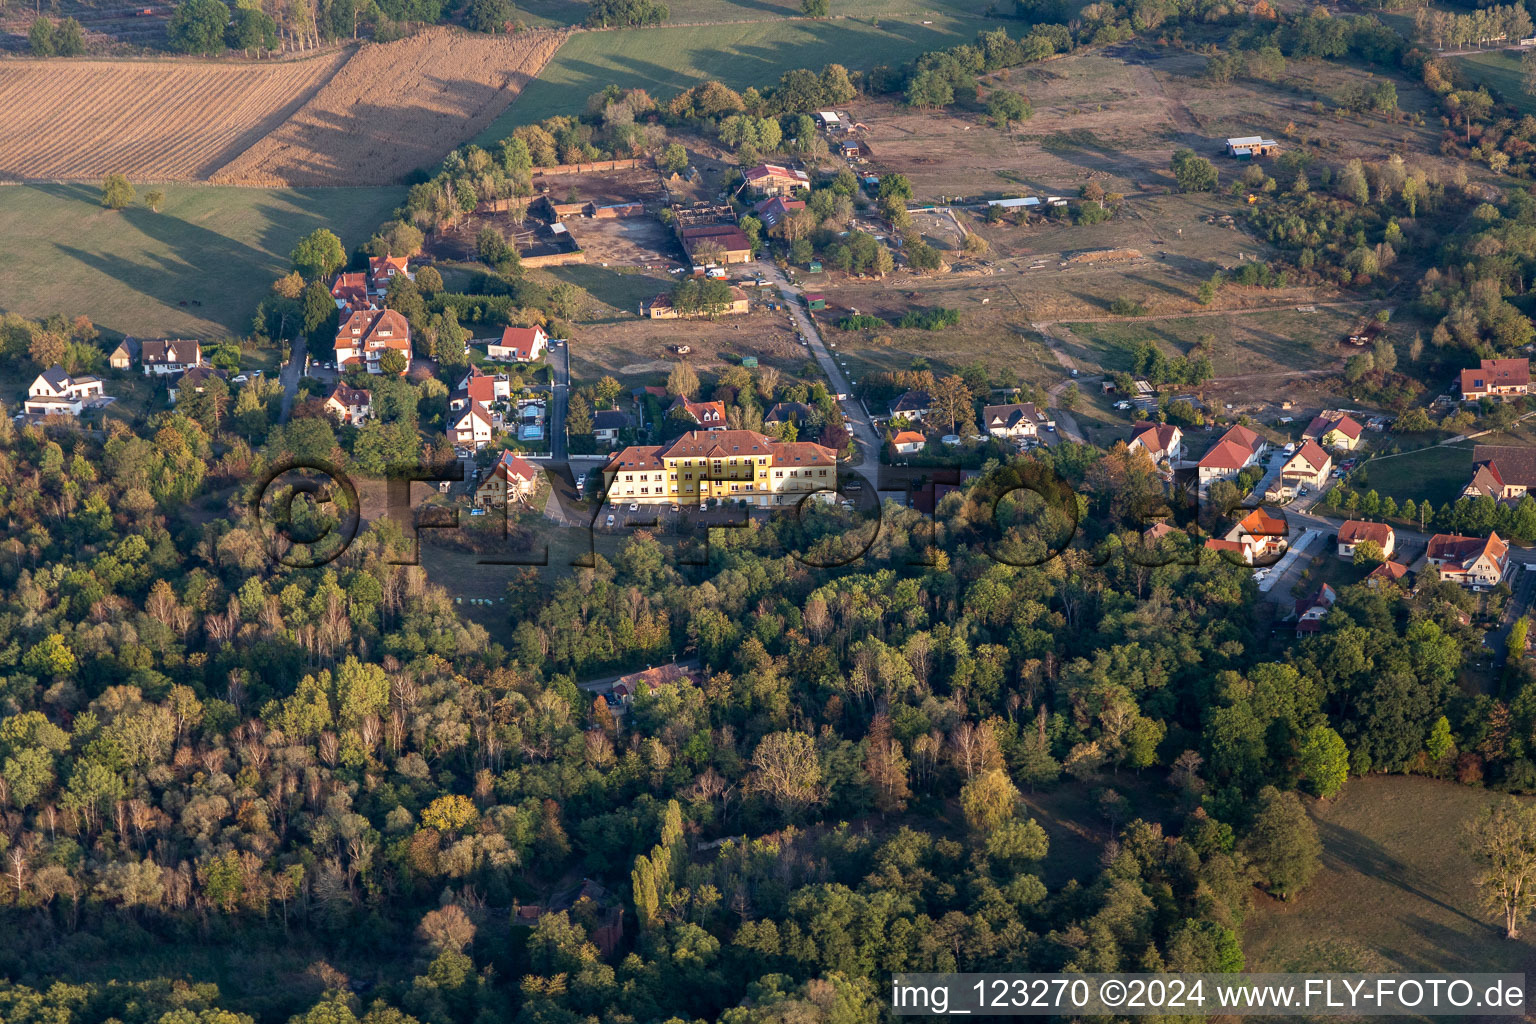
[853, 410]
[293, 369]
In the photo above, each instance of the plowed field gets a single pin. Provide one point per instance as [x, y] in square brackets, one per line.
[396, 107]
[72, 120]
[364, 115]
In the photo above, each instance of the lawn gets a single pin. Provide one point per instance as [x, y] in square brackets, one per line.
[1500, 71]
[668, 59]
[1395, 892]
[1436, 474]
[197, 268]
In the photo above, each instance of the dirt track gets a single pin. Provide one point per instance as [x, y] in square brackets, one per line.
[395, 107]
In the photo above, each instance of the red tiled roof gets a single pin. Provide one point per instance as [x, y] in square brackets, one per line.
[1226, 455]
[522, 340]
[1312, 453]
[909, 437]
[1262, 523]
[1356, 532]
[1492, 373]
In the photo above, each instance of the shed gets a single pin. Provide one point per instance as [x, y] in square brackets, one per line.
[814, 266]
[815, 300]
[750, 362]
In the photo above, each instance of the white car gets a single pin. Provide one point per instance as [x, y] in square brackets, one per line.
[241, 379]
[634, 508]
[610, 519]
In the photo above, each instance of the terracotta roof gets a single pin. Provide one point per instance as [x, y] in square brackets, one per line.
[1262, 523]
[1235, 546]
[379, 267]
[522, 340]
[768, 171]
[374, 329]
[1388, 571]
[1157, 531]
[349, 396]
[1312, 454]
[1327, 422]
[1155, 437]
[1356, 531]
[909, 437]
[1233, 450]
[724, 444]
[1496, 373]
[352, 289]
[1463, 551]
[512, 465]
[1226, 455]
[702, 412]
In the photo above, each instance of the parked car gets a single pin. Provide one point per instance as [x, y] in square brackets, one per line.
[634, 507]
[610, 519]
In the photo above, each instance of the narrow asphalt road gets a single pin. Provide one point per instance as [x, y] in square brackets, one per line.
[292, 370]
[560, 359]
[868, 446]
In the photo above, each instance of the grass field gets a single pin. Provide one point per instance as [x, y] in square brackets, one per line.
[573, 12]
[1500, 71]
[1434, 474]
[669, 59]
[140, 272]
[1395, 892]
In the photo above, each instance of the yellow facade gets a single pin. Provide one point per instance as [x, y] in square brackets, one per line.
[724, 465]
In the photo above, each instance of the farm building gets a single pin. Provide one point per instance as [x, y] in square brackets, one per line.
[815, 300]
[729, 239]
[1025, 203]
[776, 180]
[1249, 146]
[660, 307]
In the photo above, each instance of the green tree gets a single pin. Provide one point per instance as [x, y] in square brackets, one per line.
[1193, 173]
[250, 29]
[1323, 761]
[1283, 845]
[1008, 108]
[988, 801]
[40, 37]
[682, 382]
[197, 26]
[815, 8]
[318, 255]
[116, 192]
[154, 199]
[673, 159]
[490, 15]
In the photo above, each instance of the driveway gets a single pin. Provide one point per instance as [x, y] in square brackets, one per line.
[868, 446]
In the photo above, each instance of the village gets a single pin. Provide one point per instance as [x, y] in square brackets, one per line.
[651, 437]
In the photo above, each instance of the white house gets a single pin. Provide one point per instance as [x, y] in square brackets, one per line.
[472, 427]
[518, 345]
[170, 356]
[56, 393]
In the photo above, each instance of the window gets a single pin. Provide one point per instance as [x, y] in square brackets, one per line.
[778, 473]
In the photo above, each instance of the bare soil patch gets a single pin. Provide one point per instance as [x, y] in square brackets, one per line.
[395, 107]
[74, 120]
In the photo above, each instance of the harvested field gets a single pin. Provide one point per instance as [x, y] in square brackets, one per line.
[73, 120]
[395, 107]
